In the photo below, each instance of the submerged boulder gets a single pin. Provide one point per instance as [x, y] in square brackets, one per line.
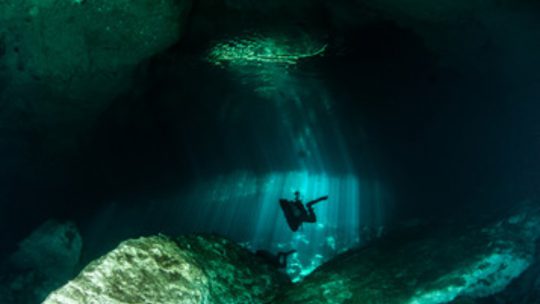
[158, 269]
[44, 261]
[429, 267]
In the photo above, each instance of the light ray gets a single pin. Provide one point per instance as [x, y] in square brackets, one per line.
[245, 207]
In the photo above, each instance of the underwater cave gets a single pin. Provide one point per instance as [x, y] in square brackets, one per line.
[240, 151]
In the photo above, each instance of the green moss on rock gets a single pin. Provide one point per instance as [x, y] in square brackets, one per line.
[158, 269]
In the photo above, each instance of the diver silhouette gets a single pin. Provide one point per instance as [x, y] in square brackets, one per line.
[278, 261]
[296, 213]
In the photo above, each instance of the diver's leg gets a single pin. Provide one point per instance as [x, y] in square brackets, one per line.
[282, 260]
[282, 257]
[313, 202]
[310, 216]
[287, 254]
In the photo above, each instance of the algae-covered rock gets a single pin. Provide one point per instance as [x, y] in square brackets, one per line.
[436, 266]
[463, 301]
[158, 269]
[524, 289]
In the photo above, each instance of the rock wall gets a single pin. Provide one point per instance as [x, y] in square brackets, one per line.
[62, 62]
[44, 261]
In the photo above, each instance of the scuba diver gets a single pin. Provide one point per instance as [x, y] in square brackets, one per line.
[296, 213]
[278, 261]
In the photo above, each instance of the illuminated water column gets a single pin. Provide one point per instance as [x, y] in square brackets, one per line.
[245, 206]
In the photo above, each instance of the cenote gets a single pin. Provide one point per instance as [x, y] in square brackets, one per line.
[268, 152]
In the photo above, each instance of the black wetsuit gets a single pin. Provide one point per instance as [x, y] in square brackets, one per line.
[296, 213]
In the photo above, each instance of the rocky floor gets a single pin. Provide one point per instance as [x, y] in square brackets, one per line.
[455, 263]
